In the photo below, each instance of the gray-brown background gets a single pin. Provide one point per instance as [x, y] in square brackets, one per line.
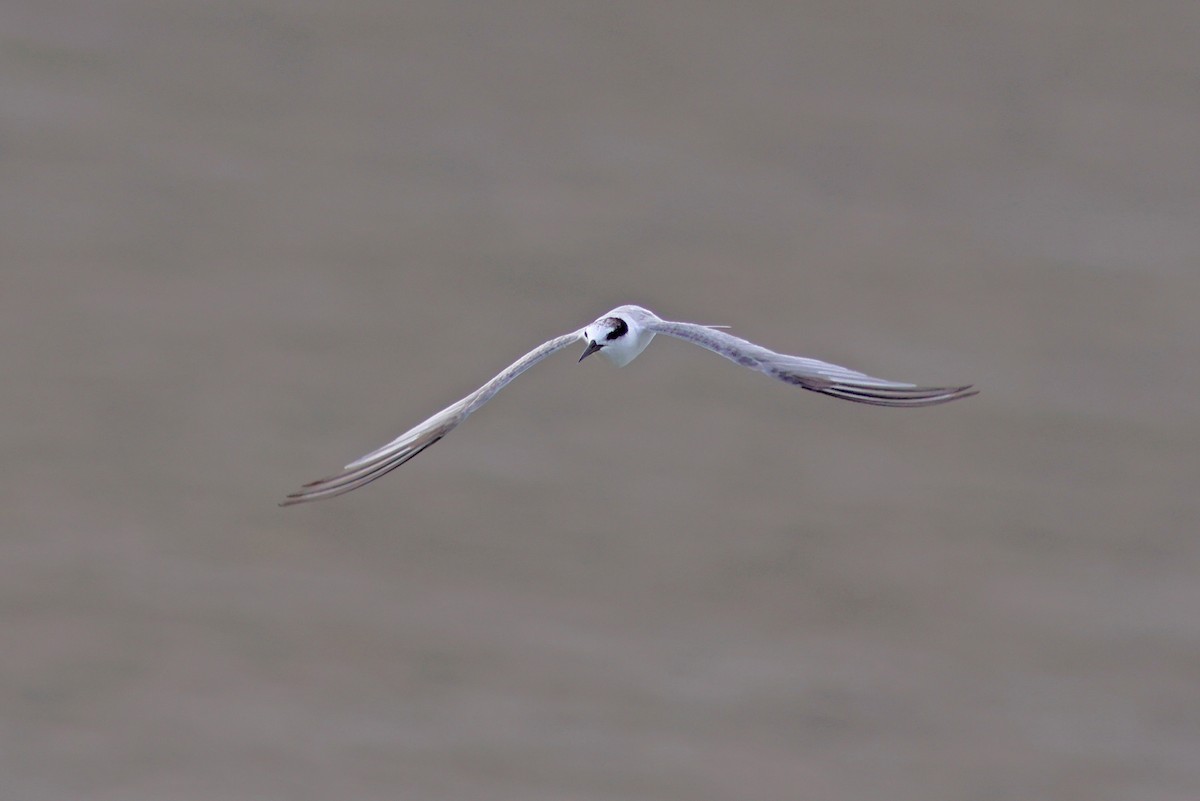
[244, 242]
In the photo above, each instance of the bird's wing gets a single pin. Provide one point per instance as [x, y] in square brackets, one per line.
[386, 459]
[818, 376]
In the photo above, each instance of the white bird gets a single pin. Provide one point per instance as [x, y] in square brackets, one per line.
[621, 335]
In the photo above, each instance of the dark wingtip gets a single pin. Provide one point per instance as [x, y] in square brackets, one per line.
[302, 496]
[899, 397]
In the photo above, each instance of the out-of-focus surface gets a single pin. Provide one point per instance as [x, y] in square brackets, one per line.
[245, 242]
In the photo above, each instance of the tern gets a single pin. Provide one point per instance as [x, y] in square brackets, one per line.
[621, 335]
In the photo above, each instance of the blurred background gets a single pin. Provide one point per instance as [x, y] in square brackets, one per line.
[245, 242]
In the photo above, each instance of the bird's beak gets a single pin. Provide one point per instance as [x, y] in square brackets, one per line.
[590, 349]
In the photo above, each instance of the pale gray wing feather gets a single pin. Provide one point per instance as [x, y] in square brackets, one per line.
[386, 459]
[812, 374]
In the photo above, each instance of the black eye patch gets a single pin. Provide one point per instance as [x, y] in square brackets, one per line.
[620, 329]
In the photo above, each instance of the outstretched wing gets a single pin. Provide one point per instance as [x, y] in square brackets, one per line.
[410, 443]
[818, 376]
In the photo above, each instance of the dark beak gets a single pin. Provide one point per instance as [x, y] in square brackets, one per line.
[590, 349]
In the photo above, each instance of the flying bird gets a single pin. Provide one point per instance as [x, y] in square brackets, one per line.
[621, 335]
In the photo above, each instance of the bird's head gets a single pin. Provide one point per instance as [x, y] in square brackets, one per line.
[620, 335]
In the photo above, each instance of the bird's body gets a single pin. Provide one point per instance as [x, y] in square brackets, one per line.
[621, 335]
